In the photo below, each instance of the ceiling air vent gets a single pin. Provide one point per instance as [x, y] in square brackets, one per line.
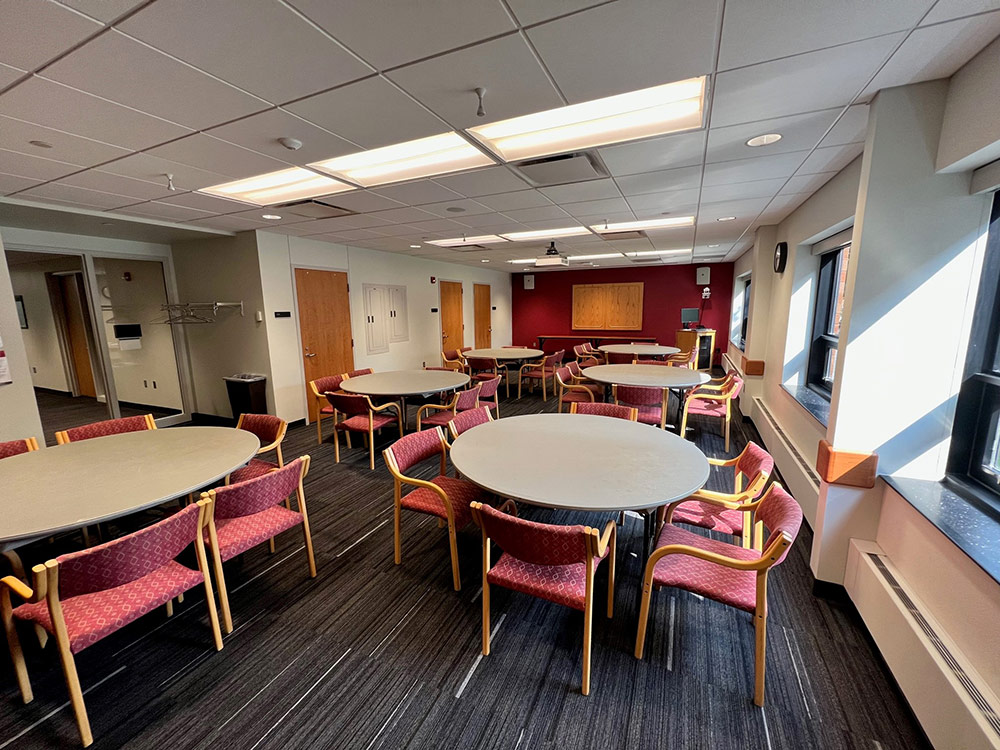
[314, 209]
[559, 170]
[652, 260]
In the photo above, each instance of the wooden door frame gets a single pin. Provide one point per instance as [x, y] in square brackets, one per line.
[60, 315]
[461, 283]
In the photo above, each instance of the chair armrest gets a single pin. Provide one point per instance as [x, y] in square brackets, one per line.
[712, 557]
[527, 365]
[509, 507]
[383, 407]
[18, 586]
[268, 447]
[723, 461]
[708, 396]
[439, 407]
[607, 538]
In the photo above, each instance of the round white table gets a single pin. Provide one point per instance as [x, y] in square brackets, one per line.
[398, 384]
[639, 350]
[647, 376]
[70, 486]
[511, 353]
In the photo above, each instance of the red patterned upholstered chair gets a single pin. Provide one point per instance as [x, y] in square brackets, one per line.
[713, 401]
[620, 359]
[651, 402]
[320, 387]
[107, 427]
[571, 392]
[556, 563]
[361, 415]
[252, 512]
[357, 373]
[687, 359]
[727, 573]
[533, 371]
[469, 419]
[443, 496]
[82, 597]
[453, 360]
[270, 430]
[601, 409]
[17, 447]
[442, 414]
[583, 357]
[580, 379]
[725, 512]
[489, 394]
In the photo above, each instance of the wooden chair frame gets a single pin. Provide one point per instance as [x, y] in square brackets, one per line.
[711, 392]
[62, 436]
[46, 586]
[633, 413]
[665, 402]
[459, 365]
[564, 387]
[548, 372]
[452, 406]
[454, 434]
[275, 445]
[597, 545]
[321, 402]
[769, 557]
[372, 410]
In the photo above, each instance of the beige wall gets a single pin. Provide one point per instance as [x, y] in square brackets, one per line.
[970, 132]
[17, 399]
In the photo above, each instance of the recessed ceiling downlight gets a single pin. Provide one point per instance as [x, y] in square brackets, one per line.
[764, 140]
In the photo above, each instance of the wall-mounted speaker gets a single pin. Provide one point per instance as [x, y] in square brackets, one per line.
[529, 281]
[702, 275]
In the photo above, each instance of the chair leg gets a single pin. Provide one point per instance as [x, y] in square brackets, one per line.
[640, 637]
[519, 386]
[486, 617]
[588, 617]
[760, 630]
[611, 584]
[336, 445]
[73, 686]
[319, 428]
[727, 434]
[14, 646]
[684, 423]
[170, 608]
[347, 436]
[371, 449]
[396, 519]
[453, 544]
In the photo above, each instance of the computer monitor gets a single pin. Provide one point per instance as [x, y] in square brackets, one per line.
[689, 315]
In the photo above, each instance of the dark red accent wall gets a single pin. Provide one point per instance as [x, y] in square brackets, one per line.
[547, 309]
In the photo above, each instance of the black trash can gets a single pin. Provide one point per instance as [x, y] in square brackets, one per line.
[247, 394]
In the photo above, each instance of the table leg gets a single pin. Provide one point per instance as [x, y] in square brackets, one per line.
[402, 407]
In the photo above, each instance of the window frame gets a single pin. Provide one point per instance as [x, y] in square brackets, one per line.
[821, 341]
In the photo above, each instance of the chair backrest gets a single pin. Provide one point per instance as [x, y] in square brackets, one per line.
[564, 377]
[107, 427]
[465, 349]
[735, 386]
[615, 358]
[780, 514]
[129, 558]
[753, 462]
[450, 355]
[635, 395]
[466, 420]
[532, 542]
[351, 404]
[326, 384]
[580, 350]
[587, 346]
[488, 388]
[267, 427]
[481, 363]
[602, 409]
[554, 359]
[574, 368]
[358, 373]
[261, 492]
[468, 399]
[17, 447]
[414, 448]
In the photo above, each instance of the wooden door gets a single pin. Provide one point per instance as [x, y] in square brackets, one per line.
[76, 333]
[484, 316]
[452, 327]
[325, 323]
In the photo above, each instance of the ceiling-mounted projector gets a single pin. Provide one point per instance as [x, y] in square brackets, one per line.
[551, 258]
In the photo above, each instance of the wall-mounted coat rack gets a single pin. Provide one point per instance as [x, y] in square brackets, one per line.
[187, 313]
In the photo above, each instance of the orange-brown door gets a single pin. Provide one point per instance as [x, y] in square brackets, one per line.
[76, 332]
[452, 327]
[484, 316]
[325, 323]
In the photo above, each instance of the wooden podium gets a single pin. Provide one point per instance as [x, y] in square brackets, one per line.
[703, 339]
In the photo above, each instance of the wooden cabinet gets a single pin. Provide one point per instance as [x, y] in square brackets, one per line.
[703, 339]
[607, 307]
[386, 319]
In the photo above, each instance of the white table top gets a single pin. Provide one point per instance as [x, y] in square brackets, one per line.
[649, 376]
[69, 486]
[404, 382]
[648, 350]
[580, 462]
[511, 353]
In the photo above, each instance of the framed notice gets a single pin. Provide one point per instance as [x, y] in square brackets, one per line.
[4, 366]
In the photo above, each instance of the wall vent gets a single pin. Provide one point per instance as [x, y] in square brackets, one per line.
[560, 170]
[314, 209]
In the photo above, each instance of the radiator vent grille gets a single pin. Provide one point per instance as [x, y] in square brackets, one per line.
[806, 465]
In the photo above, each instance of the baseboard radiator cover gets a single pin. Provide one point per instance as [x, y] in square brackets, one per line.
[796, 470]
[950, 700]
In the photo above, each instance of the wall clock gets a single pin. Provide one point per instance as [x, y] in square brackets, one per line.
[780, 257]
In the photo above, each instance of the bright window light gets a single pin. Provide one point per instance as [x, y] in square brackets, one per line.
[638, 114]
[424, 157]
[278, 187]
[649, 253]
[544, 234]
[598, 256]
[483, 239]
[636, 226]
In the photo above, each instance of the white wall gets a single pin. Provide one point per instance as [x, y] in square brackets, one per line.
[970, 132]
[17, 399]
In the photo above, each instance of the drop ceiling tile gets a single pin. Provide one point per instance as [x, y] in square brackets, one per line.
[103, 10]
[945, 10]
[16, 134]
[371, 113]
[64, 108]
[11, 183]
[406, 215]
[672, 201]
[354, 235]
[712, 233]
[81, 196]
[798, 132]
[261, 132]
[227, 223]
[758, 30]
[582, 191]
[518, 199]
[668, 152]
[659, 182]
[24, 44]
[34, 167]
[257, 214]
[496, 223]
[740, 190]
[515, 83]
[418, 192]
[165, 212]
[449, 227]
[744, 210]
[593, 219]
[585, 208]
[538, 213]
[816, 80]
[806, 183]
[398, 230]
[204, 202]
[205, 152]
[469, 208]
[535, 11]
[489, 181]
[363, 201]
[393, 33]
[780, 207]
[108, 182]
[262, 46]
[759, 168]
[933, 52]
[850, 128]
[831, 158]
[154, 169]
[649, 41]
[8, 75]
[156, 84]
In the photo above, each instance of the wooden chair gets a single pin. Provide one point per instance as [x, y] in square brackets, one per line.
[320, 387]
[446, 497]
[585, 358]
[483, 369]
[727, 573]
[726, 512]
[469, 419]
[580, 379]
[651, 402]
[361, 415]
[571, 392]
[687, 359]
[82, 597]
[270, 430]
[107, 427]
[532, 371]
[713, 401]
[453, 360]
[356, 373]
[556, 563]
[595, 353]
[489, 394]
[461, 401]
[614, 358]
[252, 512]
[602, 409]
[17, 447]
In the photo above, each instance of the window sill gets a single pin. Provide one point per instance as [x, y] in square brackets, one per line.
[817, 406]
[960, 513]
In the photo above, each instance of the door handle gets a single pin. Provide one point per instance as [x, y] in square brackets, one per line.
[310, 355]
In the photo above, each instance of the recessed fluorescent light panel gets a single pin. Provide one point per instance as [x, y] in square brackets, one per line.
[424, 157]
[278, 187]
[624, 117]
[483, 239]
[523, 260]
[650, 253]
[638, 226]
[599, 256]
[544, 234]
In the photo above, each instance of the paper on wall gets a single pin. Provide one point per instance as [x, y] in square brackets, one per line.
[4, 366]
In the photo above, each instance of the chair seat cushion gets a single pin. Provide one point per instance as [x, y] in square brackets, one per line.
[91, 617]
[239, 534]
[437, 417]
[360, 422]
[484, 376]
[562, 584]
[256, 468]
[737, 588]
[536, 372]
[570, 396]
[459, 491]
[326, 410]
[709, 516]
[707, 407]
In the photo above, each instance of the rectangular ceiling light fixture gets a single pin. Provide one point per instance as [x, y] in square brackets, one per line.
[598, 256]
[662, 109]
[523, 261]
[544, 234]
[278, 187]
[650, 253]
[424, 157]
[483, 239]
[637, 226]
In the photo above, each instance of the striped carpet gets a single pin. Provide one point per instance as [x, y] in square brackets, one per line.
[370, 655]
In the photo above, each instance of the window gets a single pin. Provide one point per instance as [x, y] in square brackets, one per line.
[746, 314]
[830, 294]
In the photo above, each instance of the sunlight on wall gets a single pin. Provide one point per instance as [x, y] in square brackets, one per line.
[800, 308]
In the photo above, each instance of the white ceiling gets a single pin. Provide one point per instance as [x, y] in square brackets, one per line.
[126, 91]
